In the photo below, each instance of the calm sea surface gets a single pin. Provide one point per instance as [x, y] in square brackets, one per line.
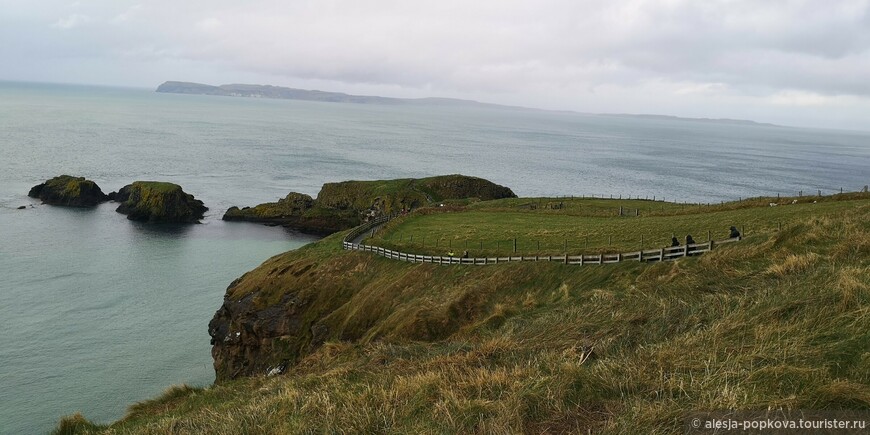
[99, 312]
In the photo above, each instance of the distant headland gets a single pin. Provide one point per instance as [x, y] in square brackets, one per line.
[278, 92]
[283, 93]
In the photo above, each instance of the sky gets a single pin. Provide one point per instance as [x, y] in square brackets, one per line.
[801, 63]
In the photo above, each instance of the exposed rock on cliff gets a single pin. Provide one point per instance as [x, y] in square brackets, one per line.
[344, 205]
[69, 191]
[289, 306]
[154, 201]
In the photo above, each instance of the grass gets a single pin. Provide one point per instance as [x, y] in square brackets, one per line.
[157, 186]
[780, 320]
[591, 226]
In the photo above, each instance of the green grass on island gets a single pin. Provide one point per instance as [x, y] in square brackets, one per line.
[778, 321]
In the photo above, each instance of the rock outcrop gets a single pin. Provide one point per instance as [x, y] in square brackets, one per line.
[69, 191]
[343, 205]
[153, 201]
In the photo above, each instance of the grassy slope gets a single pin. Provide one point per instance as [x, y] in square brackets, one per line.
[779, 320]
[590, 226]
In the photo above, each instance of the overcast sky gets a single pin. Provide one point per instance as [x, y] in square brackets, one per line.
[801, 63]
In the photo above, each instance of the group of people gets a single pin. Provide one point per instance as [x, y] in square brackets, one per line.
[464, 254]
[733, 233]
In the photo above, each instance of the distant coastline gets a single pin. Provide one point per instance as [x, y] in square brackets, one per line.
[284, 93]
[278, 92]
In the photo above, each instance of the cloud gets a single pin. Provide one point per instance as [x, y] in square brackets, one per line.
[127, 15]
[799, 98]
[209, 24]
[71, 21]
[678, 55]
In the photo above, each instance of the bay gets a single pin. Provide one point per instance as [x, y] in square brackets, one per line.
[100, 312]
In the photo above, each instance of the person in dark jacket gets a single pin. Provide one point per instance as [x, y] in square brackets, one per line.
[674, 242]
[689, 241]
[734, 232]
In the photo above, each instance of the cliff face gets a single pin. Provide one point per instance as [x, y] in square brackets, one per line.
[69, 191]
[289, 306]
[343, 205]
[153, 201]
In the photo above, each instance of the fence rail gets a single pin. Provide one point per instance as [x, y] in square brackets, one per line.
[648, 255]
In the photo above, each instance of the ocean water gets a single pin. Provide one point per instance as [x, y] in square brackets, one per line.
[99, 312]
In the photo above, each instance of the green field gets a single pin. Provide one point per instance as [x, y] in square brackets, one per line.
[779, 321]
[547, 226]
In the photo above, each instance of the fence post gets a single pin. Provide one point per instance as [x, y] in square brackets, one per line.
[637, 212]
[515, 245]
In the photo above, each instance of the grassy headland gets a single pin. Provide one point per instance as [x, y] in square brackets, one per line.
[780, 320]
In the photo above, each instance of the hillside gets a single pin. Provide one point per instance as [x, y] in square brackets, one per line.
[279, 92]
[367, 344]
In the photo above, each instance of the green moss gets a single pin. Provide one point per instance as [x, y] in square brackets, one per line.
[160, 202]
[68, 191]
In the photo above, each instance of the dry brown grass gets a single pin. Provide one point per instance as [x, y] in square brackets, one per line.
[778, 320]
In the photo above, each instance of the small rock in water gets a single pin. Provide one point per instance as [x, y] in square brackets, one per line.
[22, 207]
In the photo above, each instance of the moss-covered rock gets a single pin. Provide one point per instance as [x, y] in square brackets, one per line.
[153, 201]
[69, 191]
[346, 204]
[297, 211]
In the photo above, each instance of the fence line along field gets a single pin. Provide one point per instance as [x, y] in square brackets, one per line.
[553, 226]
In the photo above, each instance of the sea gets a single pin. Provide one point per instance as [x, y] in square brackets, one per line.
[99, 312]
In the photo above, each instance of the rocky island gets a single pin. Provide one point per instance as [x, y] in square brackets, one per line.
[155, 201]
[70, 191]
[344, 205]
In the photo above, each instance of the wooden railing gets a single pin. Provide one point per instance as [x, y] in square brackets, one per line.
[648, 255]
